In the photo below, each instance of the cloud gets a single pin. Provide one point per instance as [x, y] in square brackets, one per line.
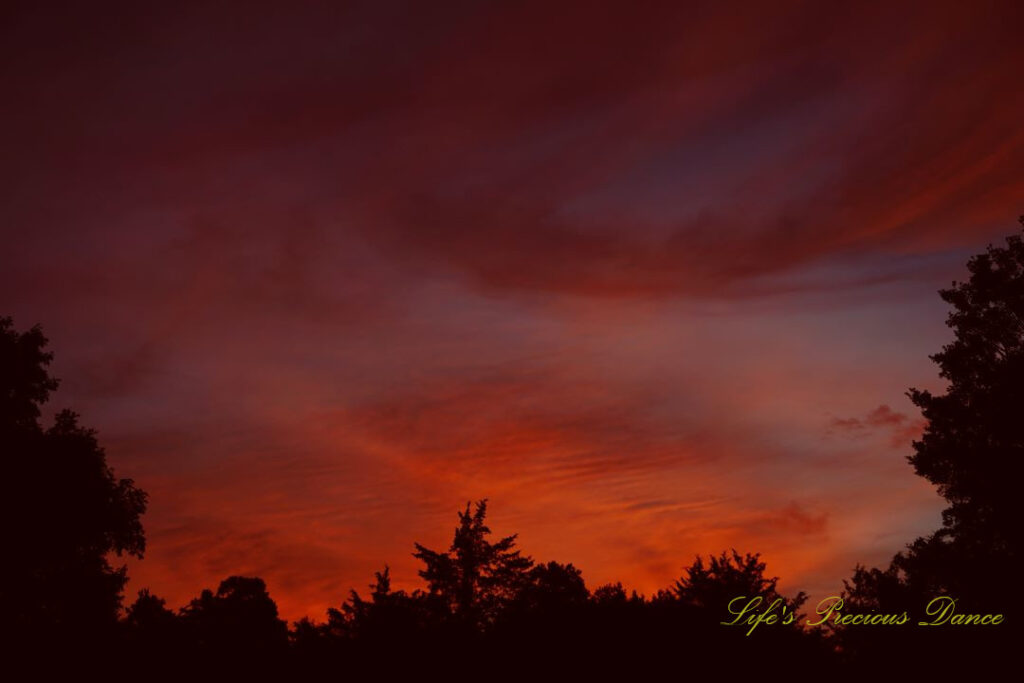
[637, 154]
[900, 428]
[795, 519]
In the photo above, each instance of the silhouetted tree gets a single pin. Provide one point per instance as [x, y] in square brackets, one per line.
[239, 621]
[149, 613]
[475, 579]
[63, 510]
[971, 448]
[974, 434]
[548, 608]
[387, 615]
[729, 576]
[313, 645]
[151, 631]
[612, 593]
[553, 587]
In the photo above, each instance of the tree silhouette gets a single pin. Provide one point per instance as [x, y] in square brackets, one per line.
[971, 448]
[974, 436]
[729, 576]
[238, 621]
[64, 512]
[975, 430]
[149, 613]
[553, 587]
[151, 631]
[475, 579]
[387, 616]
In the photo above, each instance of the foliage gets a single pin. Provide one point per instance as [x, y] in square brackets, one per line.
[475, 578]
[64, 511]
[239, 617]
[971, 448]
[975, 432]
[728, 576]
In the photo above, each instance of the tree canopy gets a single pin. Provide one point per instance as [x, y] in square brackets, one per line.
[239, 618]
[974, 436]
[64, 511]
[728, 576]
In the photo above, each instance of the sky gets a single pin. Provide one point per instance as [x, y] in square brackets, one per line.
[652, 278]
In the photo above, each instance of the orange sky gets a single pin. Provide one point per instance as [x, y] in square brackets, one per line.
[653, 280]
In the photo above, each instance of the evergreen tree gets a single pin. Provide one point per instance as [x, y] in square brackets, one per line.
[475, 579]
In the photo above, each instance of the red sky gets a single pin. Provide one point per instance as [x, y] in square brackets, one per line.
[653, 278]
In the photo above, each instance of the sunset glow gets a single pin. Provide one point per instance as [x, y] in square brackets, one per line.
[653, 283]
